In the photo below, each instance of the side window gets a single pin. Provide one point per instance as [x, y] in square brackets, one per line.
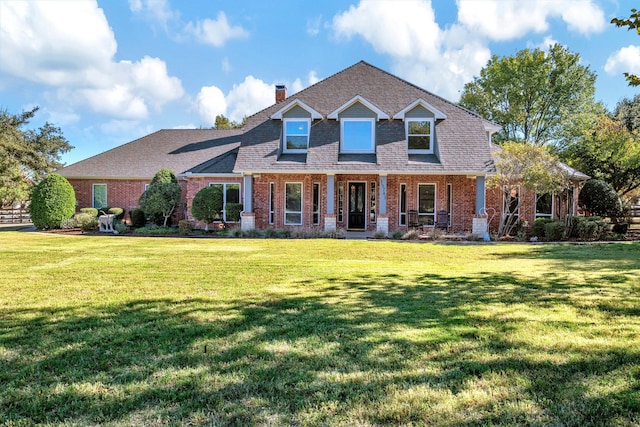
[296, 135]
[99, 197]
[357, 136]
[419, 135]
[293, 203]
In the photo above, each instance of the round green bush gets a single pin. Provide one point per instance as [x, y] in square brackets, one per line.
[90, 211]
[138, 218]
[86, 222]
[599, 198]
[118, 212]
[52, 201]
[207, 204]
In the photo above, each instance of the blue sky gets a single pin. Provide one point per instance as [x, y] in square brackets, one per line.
[108, 72]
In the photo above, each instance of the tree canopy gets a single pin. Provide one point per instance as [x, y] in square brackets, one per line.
[608, 151]
[27, 155]
[223, 122]
[525, 168]
[207, 204]
[632, 23]
[162, 197]
[536, 96]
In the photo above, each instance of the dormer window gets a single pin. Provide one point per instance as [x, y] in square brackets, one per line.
[357, 136]
[296, 135]
[419, 135]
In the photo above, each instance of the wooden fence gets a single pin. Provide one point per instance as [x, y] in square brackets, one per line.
[16, 214]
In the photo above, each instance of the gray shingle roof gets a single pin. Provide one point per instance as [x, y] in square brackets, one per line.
[181, 150]
[463, 145]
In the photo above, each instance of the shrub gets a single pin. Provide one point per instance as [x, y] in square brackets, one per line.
[599, 198]
[233, 211]
[138, 218]
[118, 212]
[85, 221]
[379, 235]
[120, 227]
[539, 227]
[590, 228]
[162, 197]
[207, 204]
[185, 227]
[90, 211]
[554, 231]
[52, 201]
[411, 235]
[397, 235]
[620, 228]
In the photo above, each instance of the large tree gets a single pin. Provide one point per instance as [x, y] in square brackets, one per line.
[162, 197]
[27, 155]
[536, 96]
[608, 151]
[524, 168]
[632, 23]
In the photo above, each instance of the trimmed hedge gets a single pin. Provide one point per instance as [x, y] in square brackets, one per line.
[52, 201]
[138, 218]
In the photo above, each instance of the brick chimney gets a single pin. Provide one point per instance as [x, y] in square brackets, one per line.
[281, 93]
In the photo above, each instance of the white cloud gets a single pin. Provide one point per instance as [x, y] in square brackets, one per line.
[210, 103]
[401, 29]
[215, 32]
[249, 97]
[505, 20]
[154, 10]
[69, 46]
[226, 65]
[313, 25]
[244, 99]
[624, 60]
[298, 85]
[41, 42]
[422, 52]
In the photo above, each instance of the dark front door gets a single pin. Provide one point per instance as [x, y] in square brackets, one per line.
[357, 205]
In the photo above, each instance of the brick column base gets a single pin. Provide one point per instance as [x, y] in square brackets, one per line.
[383, 224]
[329, 223]
[248, 221]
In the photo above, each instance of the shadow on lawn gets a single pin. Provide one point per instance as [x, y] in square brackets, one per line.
[321, 359]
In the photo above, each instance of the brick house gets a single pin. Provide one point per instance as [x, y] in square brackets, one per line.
[360, 150]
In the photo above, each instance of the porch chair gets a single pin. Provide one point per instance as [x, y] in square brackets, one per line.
[413, 222]
[442, 220]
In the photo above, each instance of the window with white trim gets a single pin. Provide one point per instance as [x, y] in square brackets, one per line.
[271, 202]
[293, 203]
[372, 202]
[544, 205]
[357, 135]
[296, 135]
[316, 203]
[99, 196]
[403, 204]
[511, 202]
[427, 204]
[419, 135]
[230, 194]
[340, 201]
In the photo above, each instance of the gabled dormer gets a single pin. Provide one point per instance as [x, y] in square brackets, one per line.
[420, 119]
[357, 119]
[296, 119]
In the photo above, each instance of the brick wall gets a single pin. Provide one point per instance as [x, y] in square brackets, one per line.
[193, 185]
[463, 188]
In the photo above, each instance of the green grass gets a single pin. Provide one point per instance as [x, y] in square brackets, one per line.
[171, 331]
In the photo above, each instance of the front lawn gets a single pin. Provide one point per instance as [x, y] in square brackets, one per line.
[171, 331]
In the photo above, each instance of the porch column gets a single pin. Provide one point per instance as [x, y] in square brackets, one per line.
[480, 194]
[383, 218]
[330, 217]
[248, 216]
